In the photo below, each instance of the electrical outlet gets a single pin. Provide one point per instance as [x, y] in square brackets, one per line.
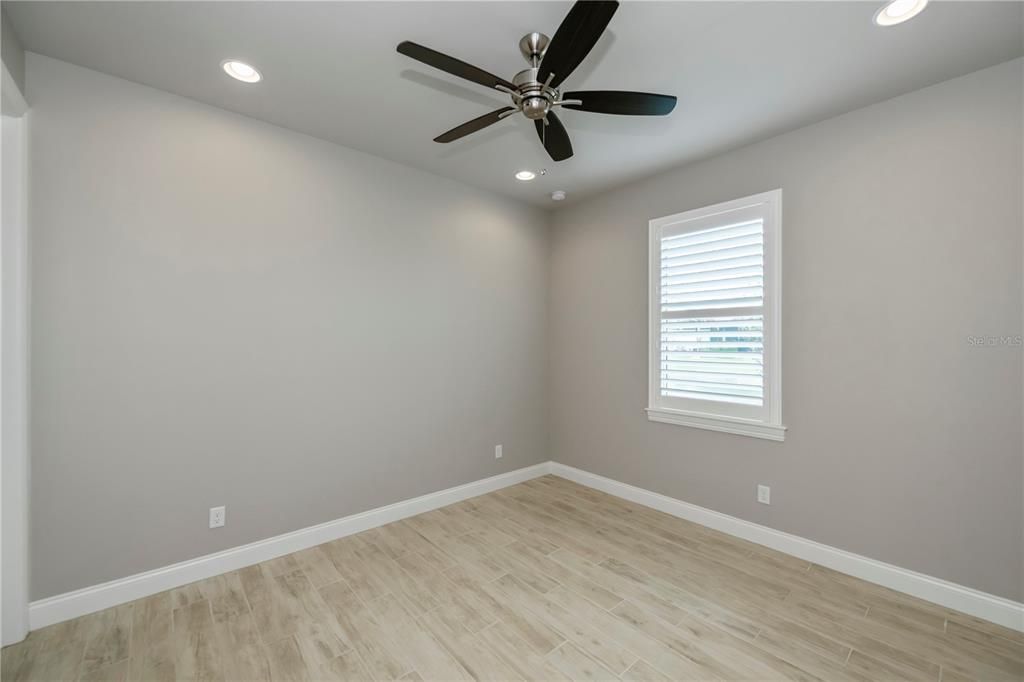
[497, 452]
[764, 494]
[217, 515]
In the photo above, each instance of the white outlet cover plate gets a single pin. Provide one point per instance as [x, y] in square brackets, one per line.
[217, 515]
[764, 494]
[497, 452]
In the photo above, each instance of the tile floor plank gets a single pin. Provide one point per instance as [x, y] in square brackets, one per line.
[348, 667]
[364, 632]
[110, 639]
[152, 651]
[196, 654]
[602, 647]
[425, 654]
[575, 664]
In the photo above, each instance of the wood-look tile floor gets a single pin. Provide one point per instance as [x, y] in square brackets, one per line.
[546, 580]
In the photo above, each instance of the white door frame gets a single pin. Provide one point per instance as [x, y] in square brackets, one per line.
[14, 462]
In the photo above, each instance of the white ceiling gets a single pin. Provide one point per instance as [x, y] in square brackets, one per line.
[742, 71]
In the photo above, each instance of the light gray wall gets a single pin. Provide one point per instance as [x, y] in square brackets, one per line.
[902, 229]
[300, 331]
[225, 312]
[11, 52]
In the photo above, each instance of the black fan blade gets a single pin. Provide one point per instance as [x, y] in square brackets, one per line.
[555, 139]
[476, 124]
[454, 66]
[575, 38]
[621, 102]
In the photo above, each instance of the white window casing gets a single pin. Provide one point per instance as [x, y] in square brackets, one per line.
[715, 359]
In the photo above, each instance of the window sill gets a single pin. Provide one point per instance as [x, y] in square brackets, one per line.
[739, 427]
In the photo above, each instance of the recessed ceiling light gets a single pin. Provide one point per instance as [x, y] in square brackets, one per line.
[241, 71]
[525, 175]
[558, 195]
[898, 11]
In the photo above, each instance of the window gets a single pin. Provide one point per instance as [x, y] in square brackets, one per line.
[715, 358]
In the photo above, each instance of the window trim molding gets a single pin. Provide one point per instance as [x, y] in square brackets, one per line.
[717, 422]
[771, 428]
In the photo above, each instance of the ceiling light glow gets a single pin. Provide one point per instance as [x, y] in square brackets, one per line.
[525, 175]
[558, 195]
[241, 71]
[898, 11]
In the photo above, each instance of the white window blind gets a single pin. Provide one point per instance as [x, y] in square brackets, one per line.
[712, 325]
[711, 316]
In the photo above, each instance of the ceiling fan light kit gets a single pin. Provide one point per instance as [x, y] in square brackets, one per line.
[535, 91]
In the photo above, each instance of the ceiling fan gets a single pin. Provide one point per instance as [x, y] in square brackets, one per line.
[534, 91]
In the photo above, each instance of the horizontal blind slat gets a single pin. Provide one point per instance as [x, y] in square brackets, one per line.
[711, 275]
[718, 347]
[703, 395]
[712, 266]
[715, 285]
[703, 313]
[713, 256]
[735, 363]
[714, 234]
[694, 378]
[701, 338]
[711, 247]
[713, 387]
[751, 302]
[718, 322]
[731, 369]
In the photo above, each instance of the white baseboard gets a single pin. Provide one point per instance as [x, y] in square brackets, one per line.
[98, 597]
[989, 607]
[80, 602]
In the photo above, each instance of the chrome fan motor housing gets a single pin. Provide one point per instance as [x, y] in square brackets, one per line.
[535, 107]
